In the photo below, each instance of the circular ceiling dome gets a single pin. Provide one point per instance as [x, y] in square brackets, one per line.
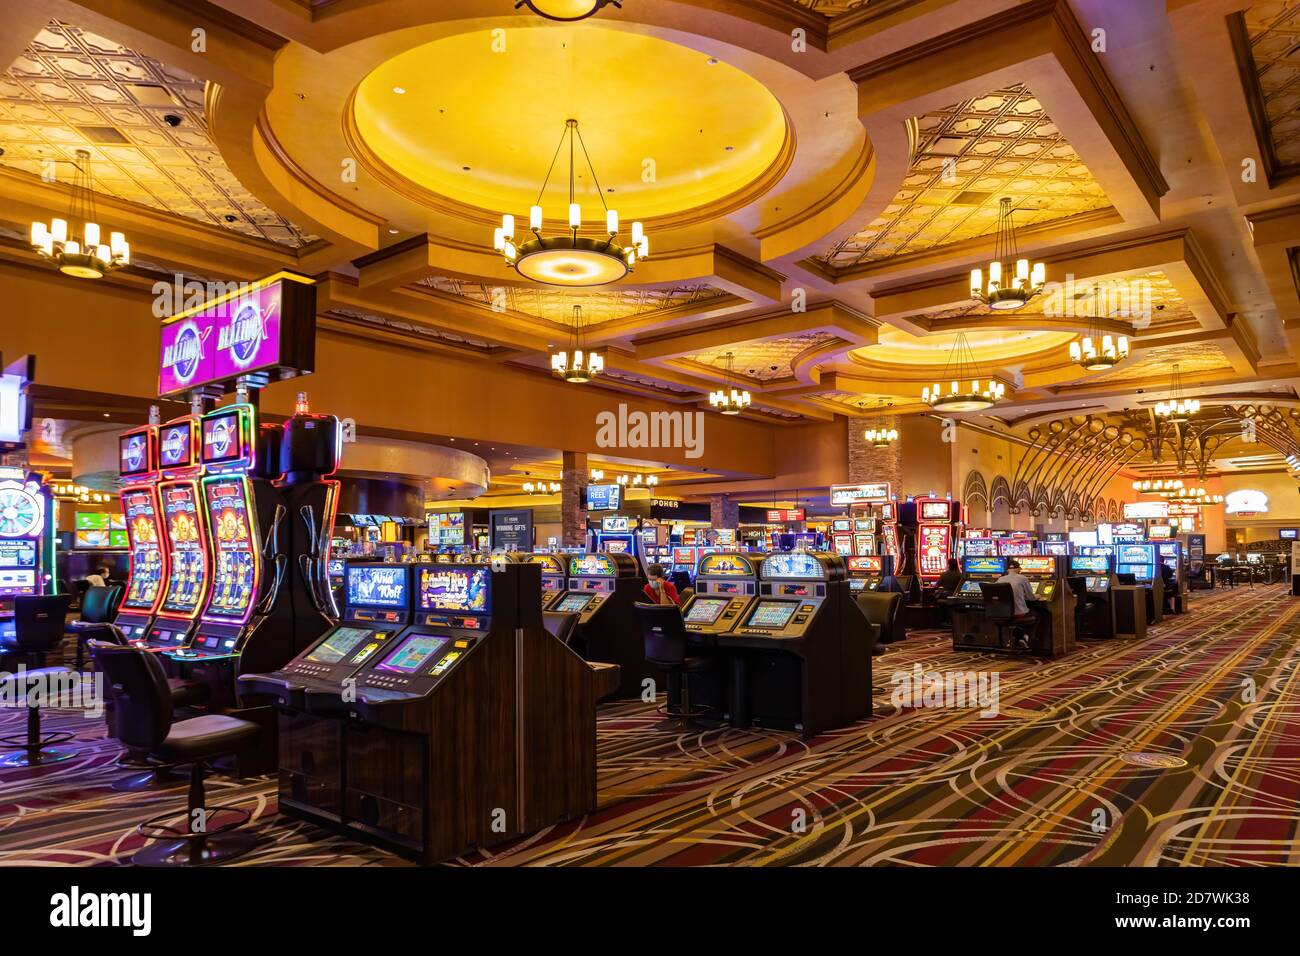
[990, 347]
[667, 128]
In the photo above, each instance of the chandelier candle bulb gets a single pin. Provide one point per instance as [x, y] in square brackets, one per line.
[995, 274]
[1038, 276]
[499, 240]
[508, 226]
[1022, 270]
[91, 235]
[535, 218]
[611, 221]
[575, 215]
[976, 281]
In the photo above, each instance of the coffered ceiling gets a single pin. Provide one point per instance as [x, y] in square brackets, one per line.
[1273, 30]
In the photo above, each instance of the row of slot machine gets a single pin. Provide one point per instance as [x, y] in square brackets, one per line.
[228, 527]
[28, 521]
[872, 541]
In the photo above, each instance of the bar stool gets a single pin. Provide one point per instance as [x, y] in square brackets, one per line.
[39, 622]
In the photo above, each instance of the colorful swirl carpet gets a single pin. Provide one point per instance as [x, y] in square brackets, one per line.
[1182, 748]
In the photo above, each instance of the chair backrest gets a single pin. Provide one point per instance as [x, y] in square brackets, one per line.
[97, 605]
[39, 621]
[663, 632]
[999, 601]
[1080, 588]
[142, 699]
[881, 609]
[560, 624]
[1126, 578]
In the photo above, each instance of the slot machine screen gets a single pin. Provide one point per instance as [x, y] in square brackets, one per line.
[706, 610]
[175, 445]
[338, 644]
[980, 546]
[984, 565]
[146, 553]
[840, 524]
[133, 454]
[336, 567]
[591, 564]
[377, 585]
[793, 564]
[574, 603]
[1036, 564]
[454, 589]
[221, 439]
[936, 510]
[1090, 564]
[970, 589]
[413, 654]
[234, 579]
[868, 564]
[932, 545]
[1098, 584]
[181, 521]
[772, 614]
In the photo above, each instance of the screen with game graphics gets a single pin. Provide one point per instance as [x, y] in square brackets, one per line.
[222, 441]
[413, 655]
[1037, 564]
[573, 603]
[772, 614]
[464, 590]
[338, 644]
[186, 551]
[377, 585]
[726, 564]
[1090, 563]
[936, 511]
[932, 545]
[869, 564]
[979, 547]
[984, 565]
[706, 610]
[234, 576]
[146, 550]
[585, 565]
[793, 564]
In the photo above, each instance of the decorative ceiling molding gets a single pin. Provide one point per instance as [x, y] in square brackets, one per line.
[1264, 40]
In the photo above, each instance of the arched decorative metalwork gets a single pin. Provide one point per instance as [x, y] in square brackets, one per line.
[1069, 461]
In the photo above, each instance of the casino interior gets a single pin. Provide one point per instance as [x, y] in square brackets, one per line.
[881, 446]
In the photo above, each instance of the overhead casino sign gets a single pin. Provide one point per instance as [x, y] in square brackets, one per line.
[1247, 501]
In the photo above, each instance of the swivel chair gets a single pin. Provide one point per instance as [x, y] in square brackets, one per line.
[39, 622]
[664, 634]
[1000, 610]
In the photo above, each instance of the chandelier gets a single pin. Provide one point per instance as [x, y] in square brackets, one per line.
[1193, 496]
[87, 257]
[729, 399]
[964, 393]
[881, 437]
[566, 10]
[1178, 408]
[1013, 281]
[1165, 487]
[576, 364]
[542, 488]
[638, 481]
[70, 492]
[570, 259]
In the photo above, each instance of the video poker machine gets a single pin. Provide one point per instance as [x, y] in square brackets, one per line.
[553, 578]
[187, 555]
[28, 520]
[800, 649]
[470, 727]
[977, 569]
[889, 542]
[1052, 604]
[938, 525]
[1015, 546]
[602, 591]
[867, 571]
[1096, 617]
[1139, 560]
[138, 471]
[725, 586]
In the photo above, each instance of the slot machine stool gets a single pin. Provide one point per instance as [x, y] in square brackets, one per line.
[664, 633]
[1000, 611]
[38, 629]
[144, 722]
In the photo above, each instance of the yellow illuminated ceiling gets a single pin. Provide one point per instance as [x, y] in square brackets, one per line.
[556, 305]
[72, 89]
[1274, 32]
[480, 127]
[897, 347]
[967, 157]
[762, 360]
[1192, 358]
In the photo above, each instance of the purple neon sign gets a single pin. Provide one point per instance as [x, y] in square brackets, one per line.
[221, 343]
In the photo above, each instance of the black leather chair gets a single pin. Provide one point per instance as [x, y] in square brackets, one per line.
[664, 634]
[882, 608]
[1000, 610]
[144, 724]
[98, 607]
[560, 624]
[39, 622]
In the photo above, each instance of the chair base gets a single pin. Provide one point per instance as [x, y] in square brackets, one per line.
[159, 778]
[217, 848]
[36, 757]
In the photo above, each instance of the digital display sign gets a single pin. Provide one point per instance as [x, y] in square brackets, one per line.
[936, 510]
[1090, 563]
[794, 564]
[185, 547]
[234, 578]
[984, 564]
[853, 494]
[868, 563]
[378, 585]
[135, 454]
[591, 564]
[932, 544]
[447, 530]
[222, 440]
[176, 444]
[1038, 564]
[91, 521]
[1288, 534]
[463, 590]
[604, 497]
[90, 539]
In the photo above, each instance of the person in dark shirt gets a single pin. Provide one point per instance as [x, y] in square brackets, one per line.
[950, 580]
[658, 589]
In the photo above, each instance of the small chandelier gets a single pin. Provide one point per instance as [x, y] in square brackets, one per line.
[542, 488]
[1013, 281]
[1164, 487]
[638, 481]
[570, 259]
[566, 11]
[881, 437]
[70, 492]
[87, 257]
[729, 399]
[1177, 409]
[1209, 500]
[577, 365]
[964, 393]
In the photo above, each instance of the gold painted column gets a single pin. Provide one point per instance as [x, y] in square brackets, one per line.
[573, 500]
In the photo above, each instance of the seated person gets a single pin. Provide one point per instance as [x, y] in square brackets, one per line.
[1022, 592]
[950, 580]
[658, 589]
[1171, 585]
[98, 578]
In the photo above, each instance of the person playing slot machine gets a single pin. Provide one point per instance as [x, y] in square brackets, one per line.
[658, 589]
[1022, 592]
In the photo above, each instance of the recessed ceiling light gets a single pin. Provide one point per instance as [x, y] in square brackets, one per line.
[392, 232]
[713, 61]
[399, 90]
[728, 148]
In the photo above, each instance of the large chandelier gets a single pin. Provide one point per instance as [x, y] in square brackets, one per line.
[1013, 281]
[87, 257]
[964, 393]
[542, 488]
[570, 259]
[1178, 408]
[566, 10]
[730, 399]
[577, 364]
[1164, 487]
[1189, 495]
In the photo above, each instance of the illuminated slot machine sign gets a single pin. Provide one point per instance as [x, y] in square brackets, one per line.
[889, 530]
[1041, 571]
[378, 592]
[234, 577]
[1095, 568]
[864, 572]
[186, 548]
[980, 547]
[1135, 559]
[977, 568]
[933, 535]
[454, 596]
[143, 534]
[1015, 547]
[727, 567]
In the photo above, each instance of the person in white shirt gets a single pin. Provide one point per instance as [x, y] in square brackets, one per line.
[1022, 592]
[98, 578]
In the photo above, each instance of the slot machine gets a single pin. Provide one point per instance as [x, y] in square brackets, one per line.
[1041, 570]
[138, 471]
[1058, 549]
[977, 569]
[842, 537]
[725, 586]
[979, 547]
[866, 535]
[1015, 546]
[1171, 556]
[602, 591]
[806, 663]
[28, 519]
[938, 522]
[470, 727]
[889, 542]
[552, 577]
[1052, 604]
[868, 570]
[185, 535]
[1139, 560]
[1096, 618]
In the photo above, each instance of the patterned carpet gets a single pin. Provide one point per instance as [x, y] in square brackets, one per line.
[1179, 749]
